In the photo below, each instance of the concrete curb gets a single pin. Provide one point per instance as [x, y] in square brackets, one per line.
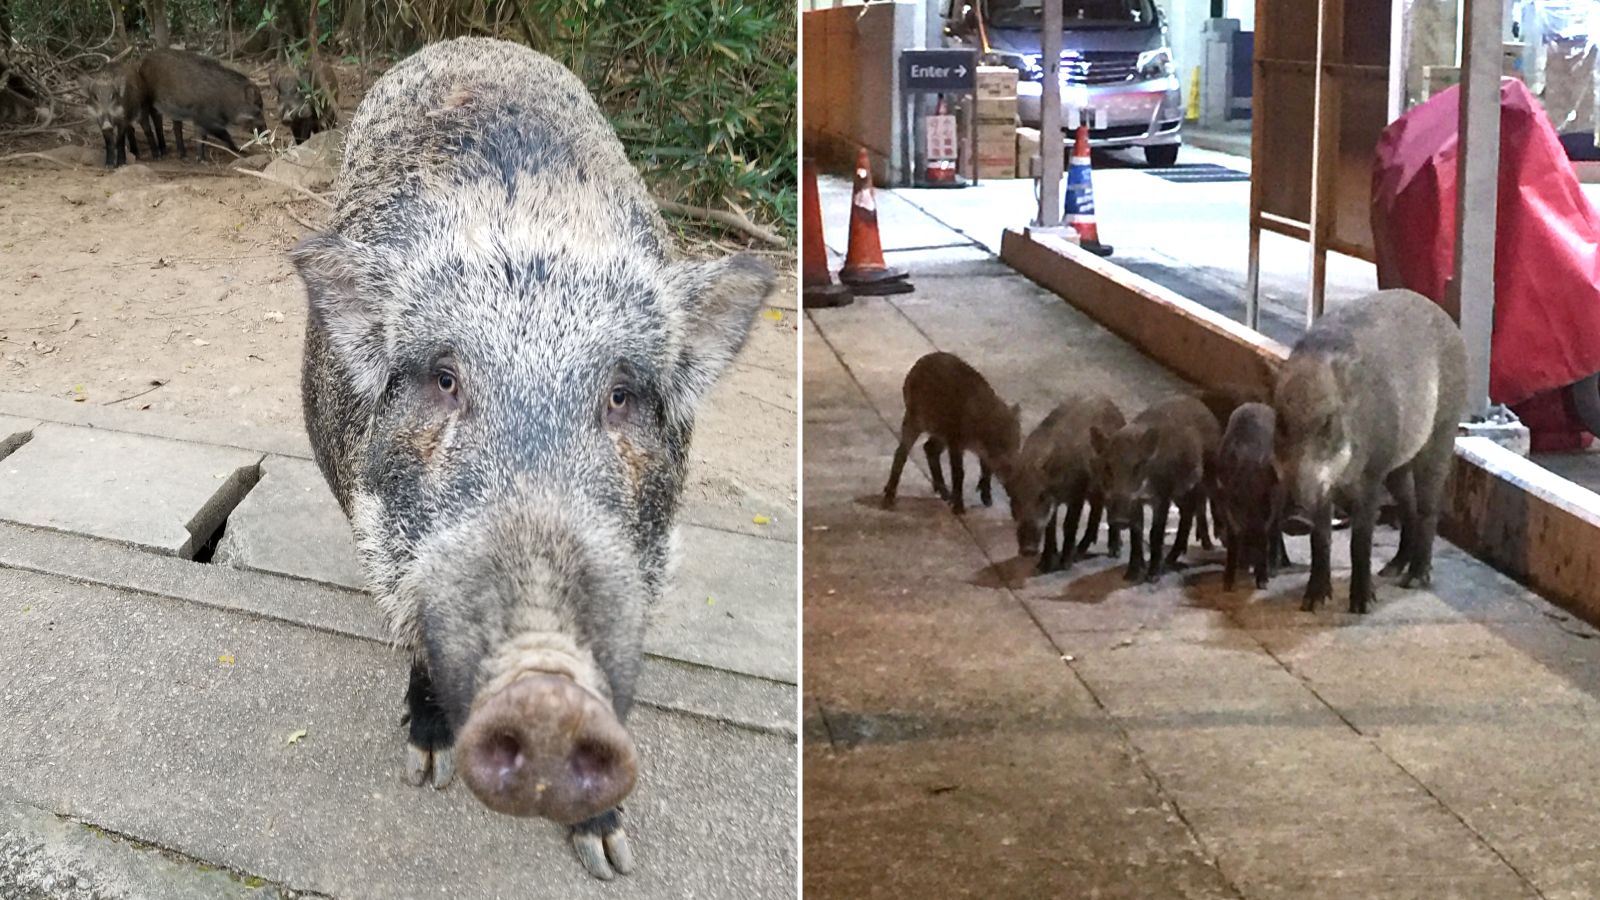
[1509, 512]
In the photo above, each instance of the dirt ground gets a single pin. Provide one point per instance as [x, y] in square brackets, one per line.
[175, 272]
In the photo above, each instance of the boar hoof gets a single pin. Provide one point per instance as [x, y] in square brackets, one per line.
[1420, 578]
[437, 767]
[1394, 567]
[1134, 572]
[888, 501]
[1315, 594]
[602, 846]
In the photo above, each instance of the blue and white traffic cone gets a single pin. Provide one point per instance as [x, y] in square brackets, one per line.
[1079, 212]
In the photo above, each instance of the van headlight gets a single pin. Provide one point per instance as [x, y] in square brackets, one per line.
[1155, 63]
[1027, 65]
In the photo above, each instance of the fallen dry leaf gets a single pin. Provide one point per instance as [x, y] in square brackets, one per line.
[226, 659]
[294, 737]
[761, 520]
[775, 315]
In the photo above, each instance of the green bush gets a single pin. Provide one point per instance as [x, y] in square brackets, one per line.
[702, 92]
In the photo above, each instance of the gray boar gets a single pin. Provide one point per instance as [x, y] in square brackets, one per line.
[953, 404]
[114, 101]
[1159, 458]
[1057, 467]
[502, 367]
[1370, 399]
[188, 87]
[1246, 496]
[308, 99]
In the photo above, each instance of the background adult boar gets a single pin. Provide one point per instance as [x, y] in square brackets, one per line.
[188, 87]
[501, 372]
[1370, 399]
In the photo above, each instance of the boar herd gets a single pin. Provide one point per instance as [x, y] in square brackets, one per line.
[1366, 407]
[190, 87]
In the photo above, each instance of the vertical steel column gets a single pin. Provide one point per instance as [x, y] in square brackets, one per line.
[1050, 155]
[1477, 190]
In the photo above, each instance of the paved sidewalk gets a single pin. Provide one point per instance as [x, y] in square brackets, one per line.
[974, 732]
[150, 698]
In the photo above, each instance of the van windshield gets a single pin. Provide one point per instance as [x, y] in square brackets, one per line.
[1074, 13]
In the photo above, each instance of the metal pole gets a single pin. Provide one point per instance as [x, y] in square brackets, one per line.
[1477, 190]
[1050, 154]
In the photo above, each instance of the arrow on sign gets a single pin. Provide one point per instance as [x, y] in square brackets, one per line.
[961, 71]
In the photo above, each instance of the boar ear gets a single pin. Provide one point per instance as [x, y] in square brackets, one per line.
[716, 302]
[339, 275]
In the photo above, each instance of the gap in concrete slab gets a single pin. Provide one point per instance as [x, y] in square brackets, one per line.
[10, 443]
[207, 550]
[209, 524]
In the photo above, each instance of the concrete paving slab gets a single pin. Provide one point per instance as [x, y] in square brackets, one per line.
[731, 606]
[46, 857]
[212, 698]
[220, 431]
[166, 496]
[1291, 803]
[1528, 789]
[942, 818]
[664, 683]
[290, 523]
[14, 432]
[1421, 674]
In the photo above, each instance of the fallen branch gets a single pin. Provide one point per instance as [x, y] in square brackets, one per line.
[722, 217]
[293, 187]
[154, 386]
[10, 156]
[290, 213]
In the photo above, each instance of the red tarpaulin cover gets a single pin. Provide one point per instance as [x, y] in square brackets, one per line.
[1546, 269]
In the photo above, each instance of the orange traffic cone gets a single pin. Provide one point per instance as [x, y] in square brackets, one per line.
[820, 289]
[1079, 212]
[864, 268]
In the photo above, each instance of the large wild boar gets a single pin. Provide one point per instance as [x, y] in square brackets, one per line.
[188, 87]
[1369, 399]
[502, 367]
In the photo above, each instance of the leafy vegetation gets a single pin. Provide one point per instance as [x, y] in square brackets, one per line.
[702, 92]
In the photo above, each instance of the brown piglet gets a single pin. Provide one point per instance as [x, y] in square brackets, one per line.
[953, 404]
[1159, 458]
[1057, 467]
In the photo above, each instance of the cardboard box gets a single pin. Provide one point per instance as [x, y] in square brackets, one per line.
[1028, 151]
[1002, 165]
[997, 109]
[997, 83]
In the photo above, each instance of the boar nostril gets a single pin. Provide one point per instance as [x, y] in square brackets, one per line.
[503, 755]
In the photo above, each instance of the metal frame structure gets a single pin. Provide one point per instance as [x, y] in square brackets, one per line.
[1318, 67]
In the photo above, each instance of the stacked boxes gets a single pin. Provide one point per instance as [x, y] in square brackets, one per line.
[997, 122]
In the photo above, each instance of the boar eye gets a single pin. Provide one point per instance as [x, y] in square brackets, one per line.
[619, 398]
[448, 382]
